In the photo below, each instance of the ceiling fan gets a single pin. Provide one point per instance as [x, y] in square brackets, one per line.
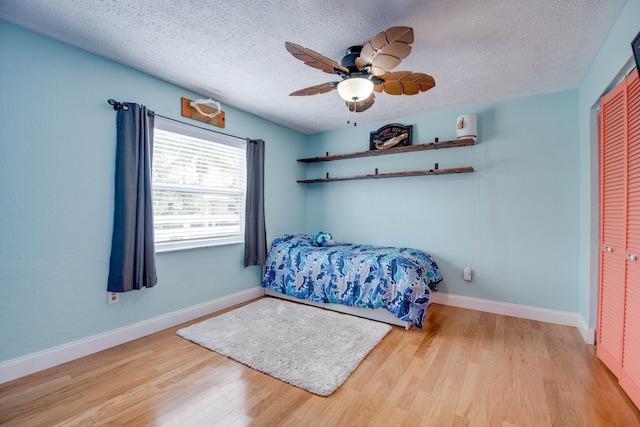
[364, 69]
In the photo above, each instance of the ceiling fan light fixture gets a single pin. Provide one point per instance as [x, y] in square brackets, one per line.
[355, 89]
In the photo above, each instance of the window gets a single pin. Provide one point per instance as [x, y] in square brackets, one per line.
[199, 186]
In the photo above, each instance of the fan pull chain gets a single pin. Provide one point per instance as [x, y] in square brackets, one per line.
[355, 110]
[349, 113]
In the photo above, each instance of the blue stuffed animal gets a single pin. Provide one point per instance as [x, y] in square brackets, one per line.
[323, 239]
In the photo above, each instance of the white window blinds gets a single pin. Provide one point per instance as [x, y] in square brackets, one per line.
[199, 186]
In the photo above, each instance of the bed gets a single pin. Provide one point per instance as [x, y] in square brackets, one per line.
[382, 283]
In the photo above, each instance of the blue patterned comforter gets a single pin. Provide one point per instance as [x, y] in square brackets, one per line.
[397, 279]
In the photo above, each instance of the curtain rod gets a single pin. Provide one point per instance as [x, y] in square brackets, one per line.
[117, 104]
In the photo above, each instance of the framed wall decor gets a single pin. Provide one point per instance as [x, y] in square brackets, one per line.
[389, 136]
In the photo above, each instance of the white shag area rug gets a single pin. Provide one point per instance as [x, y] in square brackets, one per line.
[308, 347]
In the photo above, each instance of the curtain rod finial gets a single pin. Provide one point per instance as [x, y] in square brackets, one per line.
[117, 104]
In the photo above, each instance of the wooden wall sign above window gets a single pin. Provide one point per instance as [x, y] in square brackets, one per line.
[189, 111]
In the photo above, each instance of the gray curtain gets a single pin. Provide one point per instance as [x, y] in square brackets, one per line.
[255, 235]
[133, 264]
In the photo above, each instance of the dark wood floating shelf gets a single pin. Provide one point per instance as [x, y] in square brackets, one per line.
[465, 169]
[406, 149]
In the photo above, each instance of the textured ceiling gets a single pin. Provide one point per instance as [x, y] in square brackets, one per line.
[477, 51]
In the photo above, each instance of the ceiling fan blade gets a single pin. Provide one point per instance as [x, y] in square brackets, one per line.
[405, 83]
[360, 63]
[361, 106]
[391, 82]
[424, 81]
[314, 59]
[398, 50]
[393, 34]
[377, 71]
[367, 53]
[386, 62]
[387, 49]
[393, 87]
[315, 90]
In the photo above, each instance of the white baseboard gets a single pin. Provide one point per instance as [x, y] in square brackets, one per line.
[517, 310]
[589, 334]
[45, 359]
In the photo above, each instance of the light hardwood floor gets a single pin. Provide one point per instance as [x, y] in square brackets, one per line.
[465, 368]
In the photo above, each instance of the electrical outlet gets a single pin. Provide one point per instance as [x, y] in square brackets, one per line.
[467, 274]
[114, 297]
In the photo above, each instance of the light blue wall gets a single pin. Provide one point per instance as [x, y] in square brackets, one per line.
[57, 151]
[613, 59]
[524, 195]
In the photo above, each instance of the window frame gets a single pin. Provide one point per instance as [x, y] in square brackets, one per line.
[188, 130]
